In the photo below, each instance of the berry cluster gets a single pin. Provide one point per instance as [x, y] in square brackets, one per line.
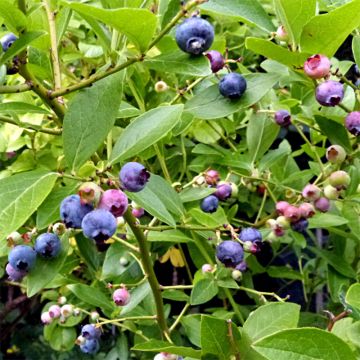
[195, 36]
[89, 339]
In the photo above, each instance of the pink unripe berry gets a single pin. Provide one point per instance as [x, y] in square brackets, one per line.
[331, 192]
[311, 192]
[292, 213]
[307, 210]
[335, 154]
[114, 201]
[282, 118]
[212, 177]
[121, 297]
[339, 179]
[138, 213]
[281, 206]
[322, 204]
[66, 310]
[279, 231]
[281, 33]
[317, 66]
[206, 268]
[46, 319]
[54, 311]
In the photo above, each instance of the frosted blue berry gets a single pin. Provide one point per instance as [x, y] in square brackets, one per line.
[72, 211]
[48, 245]
[90, 332]
[210, 204]
[232, 86]
[90, 346]
[223, 191]
[99, 225]
[7, 40]
[329, 93]
[250, 234]
[230, 253]
[134, 176]
[22, 257]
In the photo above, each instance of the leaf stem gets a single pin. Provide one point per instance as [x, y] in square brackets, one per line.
[176, 322]
[162, 163]
[149, 271]
[11, 89]
[134, 318]
[234, 305]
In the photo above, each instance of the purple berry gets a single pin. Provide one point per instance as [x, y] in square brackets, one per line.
[48, 245]
[311, 192]
[352, 123]
[230, 253]
[99, 225]
[7, 40]
[138, 212]
[212, 177]
[250, 234]
[134, 176]
[223, 191]
[114, 201]
[300, 225]
[322, 204]
[121, 297]
[282, 118]
[22, 257]
[317, 66]
[90, 346]
[210, 204]
[90, 331]
[242, 266]
[232, 86]
[194, 35]
[14, 275]
[72, 211]
[217, 61]
[329, 93]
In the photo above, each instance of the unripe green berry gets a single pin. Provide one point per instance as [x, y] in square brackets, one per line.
[283, 222]
[236, 275]
[339, 179]
[59, 229]
[94, 316]
[331, 192]
[161, 86]
[336, 154]
[123, 261]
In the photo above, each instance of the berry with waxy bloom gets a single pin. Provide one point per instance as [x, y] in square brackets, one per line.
[47, 245]
[281, 206]
[22, 257]
[46, 319]
[114, 201]
[230, 253]
[322, 204]
[311, 192]
[317, 66]
[339, 179]
[134, 176]
[223, 191]
[335, 154]
[212, 177]
[331, 192]
[232, 85]
[54, 311]
[121, 297]
[352, 123]
[292, 213]
[90, 346]
[281, 33]
[90, 331]
[14, 274]
[250, 234]
[89, 193]
[99, 225]
[72, 211]
[282, 118]
[307, 210]
[209, 204]
[329, 93]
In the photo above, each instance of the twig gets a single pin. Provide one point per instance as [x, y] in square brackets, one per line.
[176, 322]
[333, 319]
[11, 89]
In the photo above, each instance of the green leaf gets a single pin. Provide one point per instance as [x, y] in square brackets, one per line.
[270, 318]
[145, 131]
[88, 251]
[126, 110]
[211, 220]
[215, 337]
[49, 210]
[166, 193]
[260, 134]
[175, 295]
[147, 199]
[324, 33]
[203, 291]
[92, 296]
[284, 272]
[21, 107]
[163, 346]
[90, 117]
[356, 48]
[326, 220]
[175, 236]
[275, 52]
[194, 193]
[20, 44]
[60, 338]
[21, 195]
[210, 104]
[45, 270]
[249, 11]
[304, 344]
[334, 131]
[14, 19]
[140, 32]
[179, 62]
[192, 327]
[353, 296]
[294, 15]
[137, 296]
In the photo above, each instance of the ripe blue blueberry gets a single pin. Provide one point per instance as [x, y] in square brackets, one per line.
[90, 332]
[232, 86]
[14, 275]
[7, 40]
[223, 191]
[134, 176]
[230, 253]
[282, 118]
[210, 204]
[48, 245]
[90, 346]
[72, 211]
[329, 93]
[217, 61]
[99, 225]
[250, 234]
[22, 257]
[194, 35]
[300, 225]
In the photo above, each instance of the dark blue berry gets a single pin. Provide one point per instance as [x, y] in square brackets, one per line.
[48, 245]
[210, 204]
[134, 176]
[230, 253]
[250, 234]
[22, 258]
[7, 40]
[90, 346]
[329, 93]
[195, 35]
[99, 225]
[217, 61]
[300, 225]
[72, 211]
[283, 118]
[232, 86]
[90, 332]
[223, 191]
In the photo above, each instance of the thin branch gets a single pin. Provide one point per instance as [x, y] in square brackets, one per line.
[11, 89]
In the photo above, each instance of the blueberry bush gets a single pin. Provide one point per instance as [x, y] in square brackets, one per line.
[180, 179]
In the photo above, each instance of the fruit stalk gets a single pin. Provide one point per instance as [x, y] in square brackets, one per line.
[149, 271]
